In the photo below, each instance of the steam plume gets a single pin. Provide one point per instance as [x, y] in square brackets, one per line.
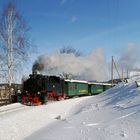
[90, 67]
[130, 58]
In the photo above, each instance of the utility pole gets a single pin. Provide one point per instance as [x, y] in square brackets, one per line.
[112, 71]
[122, 74]
[127, 73]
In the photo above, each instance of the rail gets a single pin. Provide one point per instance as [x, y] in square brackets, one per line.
[4, 102]
[10, 109]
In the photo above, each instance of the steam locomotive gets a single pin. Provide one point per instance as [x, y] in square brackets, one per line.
[38, 89]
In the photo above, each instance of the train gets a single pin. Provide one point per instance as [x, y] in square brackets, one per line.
[38, 89]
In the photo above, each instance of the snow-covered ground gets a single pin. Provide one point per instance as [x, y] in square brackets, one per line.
[112, 115]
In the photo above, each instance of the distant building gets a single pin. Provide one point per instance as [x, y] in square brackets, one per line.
[4, 90]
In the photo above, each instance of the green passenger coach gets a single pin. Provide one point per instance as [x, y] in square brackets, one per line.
[79, 88]
[96, 88]
[76, 88]
[107, 86]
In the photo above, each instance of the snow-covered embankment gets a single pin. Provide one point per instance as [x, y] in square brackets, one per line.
[113, 115]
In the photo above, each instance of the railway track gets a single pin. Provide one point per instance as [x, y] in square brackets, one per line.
[11, 108]
[4, 102]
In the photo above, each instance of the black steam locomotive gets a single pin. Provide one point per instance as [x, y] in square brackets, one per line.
[40, 88]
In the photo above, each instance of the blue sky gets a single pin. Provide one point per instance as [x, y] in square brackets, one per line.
[82, 24]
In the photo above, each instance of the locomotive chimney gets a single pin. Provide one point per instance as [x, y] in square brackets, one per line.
[37, 67]
[34, 72]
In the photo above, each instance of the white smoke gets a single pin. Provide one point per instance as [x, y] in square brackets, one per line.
[90, 67]
[130, 57]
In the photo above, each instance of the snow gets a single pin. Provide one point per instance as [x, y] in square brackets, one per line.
[112, 115]
[76, 81]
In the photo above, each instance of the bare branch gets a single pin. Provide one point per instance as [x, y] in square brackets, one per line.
[70, 50]
[13, 38]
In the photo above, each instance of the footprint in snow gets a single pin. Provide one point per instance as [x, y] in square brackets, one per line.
[123, 134]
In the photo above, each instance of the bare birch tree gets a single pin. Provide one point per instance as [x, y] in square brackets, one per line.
[14, 39]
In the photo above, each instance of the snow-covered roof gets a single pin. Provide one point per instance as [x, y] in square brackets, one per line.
[82, 81]
[76, 81]
[98, 83]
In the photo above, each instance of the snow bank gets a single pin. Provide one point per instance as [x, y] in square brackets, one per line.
[113, 115]
[18, 121]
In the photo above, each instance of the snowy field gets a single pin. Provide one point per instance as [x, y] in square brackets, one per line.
[112, 115]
